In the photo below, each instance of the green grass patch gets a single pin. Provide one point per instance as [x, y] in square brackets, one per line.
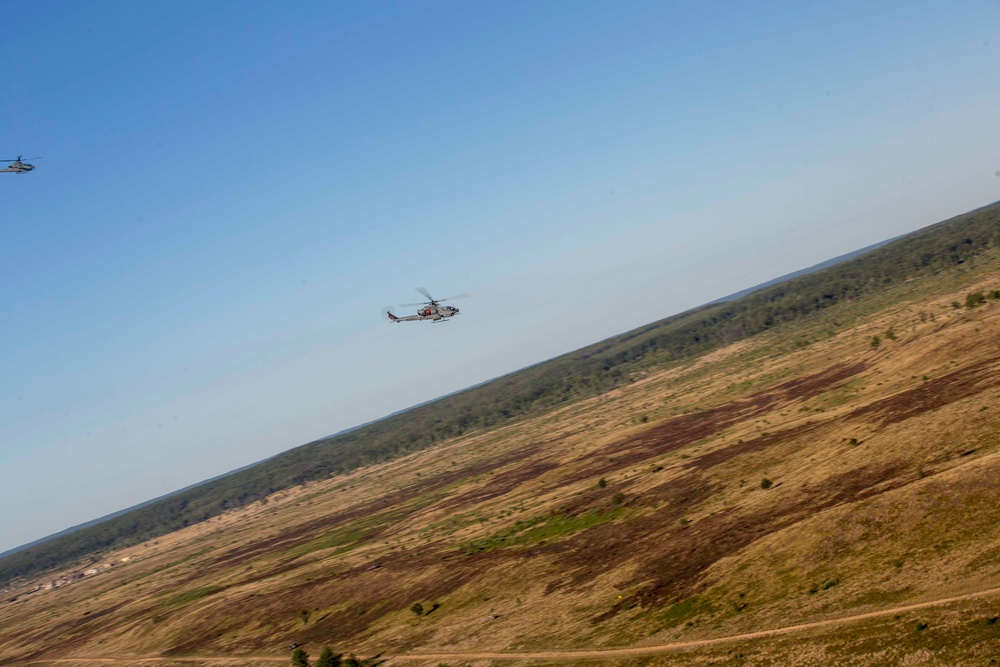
[185, 559]
[350, 536]
[680, 612]
[190, 595]
[541, 528]
[347, 538]
[882, 597]
[840, 395]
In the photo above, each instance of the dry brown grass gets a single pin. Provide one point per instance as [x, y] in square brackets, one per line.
[885, 471]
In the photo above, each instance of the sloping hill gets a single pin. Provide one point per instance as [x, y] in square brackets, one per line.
[536, 390]
[841, 461]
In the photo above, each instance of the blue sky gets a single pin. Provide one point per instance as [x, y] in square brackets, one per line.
[230, 192]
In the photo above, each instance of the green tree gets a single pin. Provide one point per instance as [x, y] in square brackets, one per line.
[300, 658]
[328, 659]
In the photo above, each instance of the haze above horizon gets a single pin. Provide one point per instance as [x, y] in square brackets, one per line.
[230, 193]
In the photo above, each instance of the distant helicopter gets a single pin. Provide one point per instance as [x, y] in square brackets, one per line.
[431, 310]
[18, 166]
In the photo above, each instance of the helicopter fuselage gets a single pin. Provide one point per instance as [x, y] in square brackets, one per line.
[19, 168]
[434, 313]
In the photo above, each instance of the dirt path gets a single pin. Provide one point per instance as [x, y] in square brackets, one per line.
[550, 656]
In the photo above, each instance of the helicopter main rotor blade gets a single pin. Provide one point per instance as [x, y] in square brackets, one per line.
[423, 290]
[457, 296]
[407, 305]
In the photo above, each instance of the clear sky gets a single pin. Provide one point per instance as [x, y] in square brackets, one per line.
[230, 192]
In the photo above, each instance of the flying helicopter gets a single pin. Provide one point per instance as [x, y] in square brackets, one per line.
[18, 166]
[429, 310]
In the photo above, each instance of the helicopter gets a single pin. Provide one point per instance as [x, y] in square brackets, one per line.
[18, 166]
[430, 310]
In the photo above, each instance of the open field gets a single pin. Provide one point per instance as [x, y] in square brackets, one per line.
[796, 478]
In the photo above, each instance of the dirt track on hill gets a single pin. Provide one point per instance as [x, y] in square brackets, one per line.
[549, 656]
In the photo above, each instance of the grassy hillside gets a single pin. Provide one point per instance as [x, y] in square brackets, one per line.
[835, 464]
[591, 371]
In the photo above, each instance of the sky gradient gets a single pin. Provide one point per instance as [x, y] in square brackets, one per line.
[192, 279]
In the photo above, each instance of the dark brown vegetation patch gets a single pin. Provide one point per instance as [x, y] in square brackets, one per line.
[69, 634]
[310, 530]
[501, 483]
[686, 430]
[758, 444]
[674, 556]
[933, 394]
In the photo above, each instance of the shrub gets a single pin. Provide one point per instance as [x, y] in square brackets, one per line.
[417, 608]
[974, 299]
[300, 658]
[618, 498]
[766, 483]
[602, 482]
[328, 659]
